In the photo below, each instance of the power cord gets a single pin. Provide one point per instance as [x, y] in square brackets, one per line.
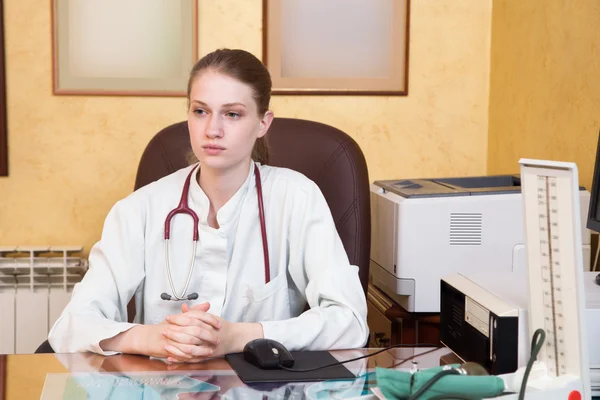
[437, 346]
[432, 381]
[536, 345]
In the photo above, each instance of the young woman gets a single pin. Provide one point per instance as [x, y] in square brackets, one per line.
[266, 245]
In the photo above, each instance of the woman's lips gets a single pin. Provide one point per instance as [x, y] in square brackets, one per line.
[212, 149]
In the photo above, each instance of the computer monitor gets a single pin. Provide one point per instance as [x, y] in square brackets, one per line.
[593, 222]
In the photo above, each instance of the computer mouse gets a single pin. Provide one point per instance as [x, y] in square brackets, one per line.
[267, 354]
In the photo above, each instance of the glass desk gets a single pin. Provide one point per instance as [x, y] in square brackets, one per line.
[23, 376]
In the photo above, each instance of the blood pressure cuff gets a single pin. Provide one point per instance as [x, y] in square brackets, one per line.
[396, 384]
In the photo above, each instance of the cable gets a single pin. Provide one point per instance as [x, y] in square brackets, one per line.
[361, 357]
[432, 381]
[536, 346]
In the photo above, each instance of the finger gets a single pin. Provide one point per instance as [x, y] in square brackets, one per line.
[181, 320]
[186, 319]
[178, 349]
[187, 353]
[200, 307]
[194, 318]
[174, 351]
[181, 337]
[180, 360]
[205, 317]
[190, 335]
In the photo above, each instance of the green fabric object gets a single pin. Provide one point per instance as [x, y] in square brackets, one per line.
[396, 384]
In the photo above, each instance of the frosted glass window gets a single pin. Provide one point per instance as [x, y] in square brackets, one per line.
[337, 46]
[124, 47]
[355, 42]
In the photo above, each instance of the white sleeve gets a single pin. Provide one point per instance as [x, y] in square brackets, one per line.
[98, 306]
[337, 318]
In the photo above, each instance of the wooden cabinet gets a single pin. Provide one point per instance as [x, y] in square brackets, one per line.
[390, 324]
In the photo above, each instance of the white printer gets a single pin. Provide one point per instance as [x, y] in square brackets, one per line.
[424, 229]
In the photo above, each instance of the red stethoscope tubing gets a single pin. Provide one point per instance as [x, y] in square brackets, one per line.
[183, 208]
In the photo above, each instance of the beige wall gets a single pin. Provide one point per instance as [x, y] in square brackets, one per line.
[72, 157]
[545, 83]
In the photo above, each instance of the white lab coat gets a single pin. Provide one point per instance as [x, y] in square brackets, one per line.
[307, 261]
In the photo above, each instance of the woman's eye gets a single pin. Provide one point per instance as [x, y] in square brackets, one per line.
[199, 112]
[233, 115]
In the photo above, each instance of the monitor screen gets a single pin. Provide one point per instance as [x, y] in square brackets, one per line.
[593, 222]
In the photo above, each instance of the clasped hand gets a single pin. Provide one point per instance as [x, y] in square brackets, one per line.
[195, 335]
[192, 336]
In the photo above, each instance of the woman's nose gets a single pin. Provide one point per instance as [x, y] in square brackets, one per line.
[214, 129]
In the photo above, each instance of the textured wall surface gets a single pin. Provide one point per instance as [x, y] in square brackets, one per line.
[72, 157]
[545, 83]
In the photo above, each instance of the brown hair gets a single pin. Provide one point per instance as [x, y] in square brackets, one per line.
[248, 69]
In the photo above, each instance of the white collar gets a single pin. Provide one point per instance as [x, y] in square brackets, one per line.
[200, 203]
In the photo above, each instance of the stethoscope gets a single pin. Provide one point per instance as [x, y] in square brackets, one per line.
[183, 208]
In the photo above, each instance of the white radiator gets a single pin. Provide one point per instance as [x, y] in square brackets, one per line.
[35, 286]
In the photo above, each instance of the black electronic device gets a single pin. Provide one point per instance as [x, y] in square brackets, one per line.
[593, 221]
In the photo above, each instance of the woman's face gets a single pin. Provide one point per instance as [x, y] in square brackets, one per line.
[223, 121]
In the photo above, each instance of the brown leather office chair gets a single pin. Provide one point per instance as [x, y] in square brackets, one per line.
[326, 155]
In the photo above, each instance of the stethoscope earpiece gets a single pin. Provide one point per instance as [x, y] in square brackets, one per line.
[191, 296]
[165, 296]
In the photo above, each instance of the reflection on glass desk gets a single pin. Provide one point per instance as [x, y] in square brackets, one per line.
[90, 376]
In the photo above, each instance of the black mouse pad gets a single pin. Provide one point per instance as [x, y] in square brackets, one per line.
[303, 360]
